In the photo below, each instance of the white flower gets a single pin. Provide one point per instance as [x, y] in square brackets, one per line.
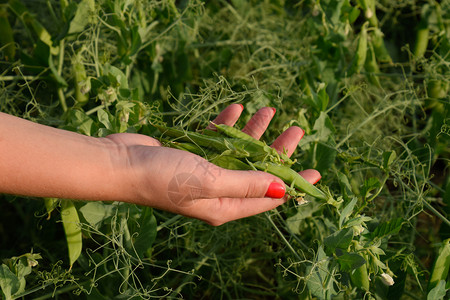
[387, 279]
[369, 13]
[85, 86]
[358, 229]
[32, 262]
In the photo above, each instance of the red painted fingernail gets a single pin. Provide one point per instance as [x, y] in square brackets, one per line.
[274, 110]
[275, 190]
[320, 177]
[242, 106]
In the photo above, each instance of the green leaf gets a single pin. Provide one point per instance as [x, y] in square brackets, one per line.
[296, 221]
[438, 292]
[116, 76]
[344, 183]
[325, 156]
[339, 239]
[72, 229]
[96, 212]
[369, 185]
[32, 24]
[83, 16]
[320, 281]
[350, 261]
[347, 211]
[319, 99]
[387, 228]
[324, 127]
[103, 117]
[388, 159]
[9, 283]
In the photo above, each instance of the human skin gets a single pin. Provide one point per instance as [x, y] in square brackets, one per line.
[42, 161]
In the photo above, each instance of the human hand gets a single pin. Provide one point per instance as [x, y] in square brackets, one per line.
[187, 184]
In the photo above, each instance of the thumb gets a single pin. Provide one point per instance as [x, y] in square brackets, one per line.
[244, 184]
[233, 195]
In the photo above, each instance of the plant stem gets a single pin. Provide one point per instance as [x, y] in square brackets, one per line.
[438, 214]
[282, 236]
[168, 222]
[54, 293]
[62, 99]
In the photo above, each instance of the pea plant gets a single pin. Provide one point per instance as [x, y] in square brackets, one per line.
[368, 82]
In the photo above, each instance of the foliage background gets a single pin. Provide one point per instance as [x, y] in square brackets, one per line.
[367, 80]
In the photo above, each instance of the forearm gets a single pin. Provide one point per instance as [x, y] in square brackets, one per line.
[42, 161]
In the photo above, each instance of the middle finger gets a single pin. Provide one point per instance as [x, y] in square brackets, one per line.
[259, 122]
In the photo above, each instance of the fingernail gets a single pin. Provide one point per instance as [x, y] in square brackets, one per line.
[275, 190]
[320, 177]
[242, 106]
[274, 110]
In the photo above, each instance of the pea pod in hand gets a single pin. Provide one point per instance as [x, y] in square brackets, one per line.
[230, 148]
[252, 144]
[289, 176]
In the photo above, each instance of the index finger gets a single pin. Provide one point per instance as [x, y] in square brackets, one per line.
[228, 116]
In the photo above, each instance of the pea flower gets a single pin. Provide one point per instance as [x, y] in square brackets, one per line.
[387, 279]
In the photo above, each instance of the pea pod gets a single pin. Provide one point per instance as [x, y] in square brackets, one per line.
[223, 161]
[71, 221]
[441, 265]
[371, 66]
[226, 151]
[361, 51]
[222, 145]
[199, 139]
[423, 32]
[230, 163]
[368, 7]
[80, 78]
[359, 278]
[6, 38]
[189, 147]
[379, 47]
[291, 177]
[254, 146]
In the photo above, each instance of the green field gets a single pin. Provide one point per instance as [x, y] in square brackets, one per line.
[367, 80]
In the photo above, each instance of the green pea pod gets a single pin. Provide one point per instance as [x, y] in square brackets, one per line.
[50, 205]
[359, 278]
[222, 145]
[72, 229]
[258, 150]
[379, 47]
[423, 32]
[6, 36]
[371, 66]
[216, 143]
[437, 89]
[230, 163]
[368, 7]
[441, 265]
[80, 79]
[211, 133]
[290, 177]
[236, 133]
[189, 147]
[361, 51]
